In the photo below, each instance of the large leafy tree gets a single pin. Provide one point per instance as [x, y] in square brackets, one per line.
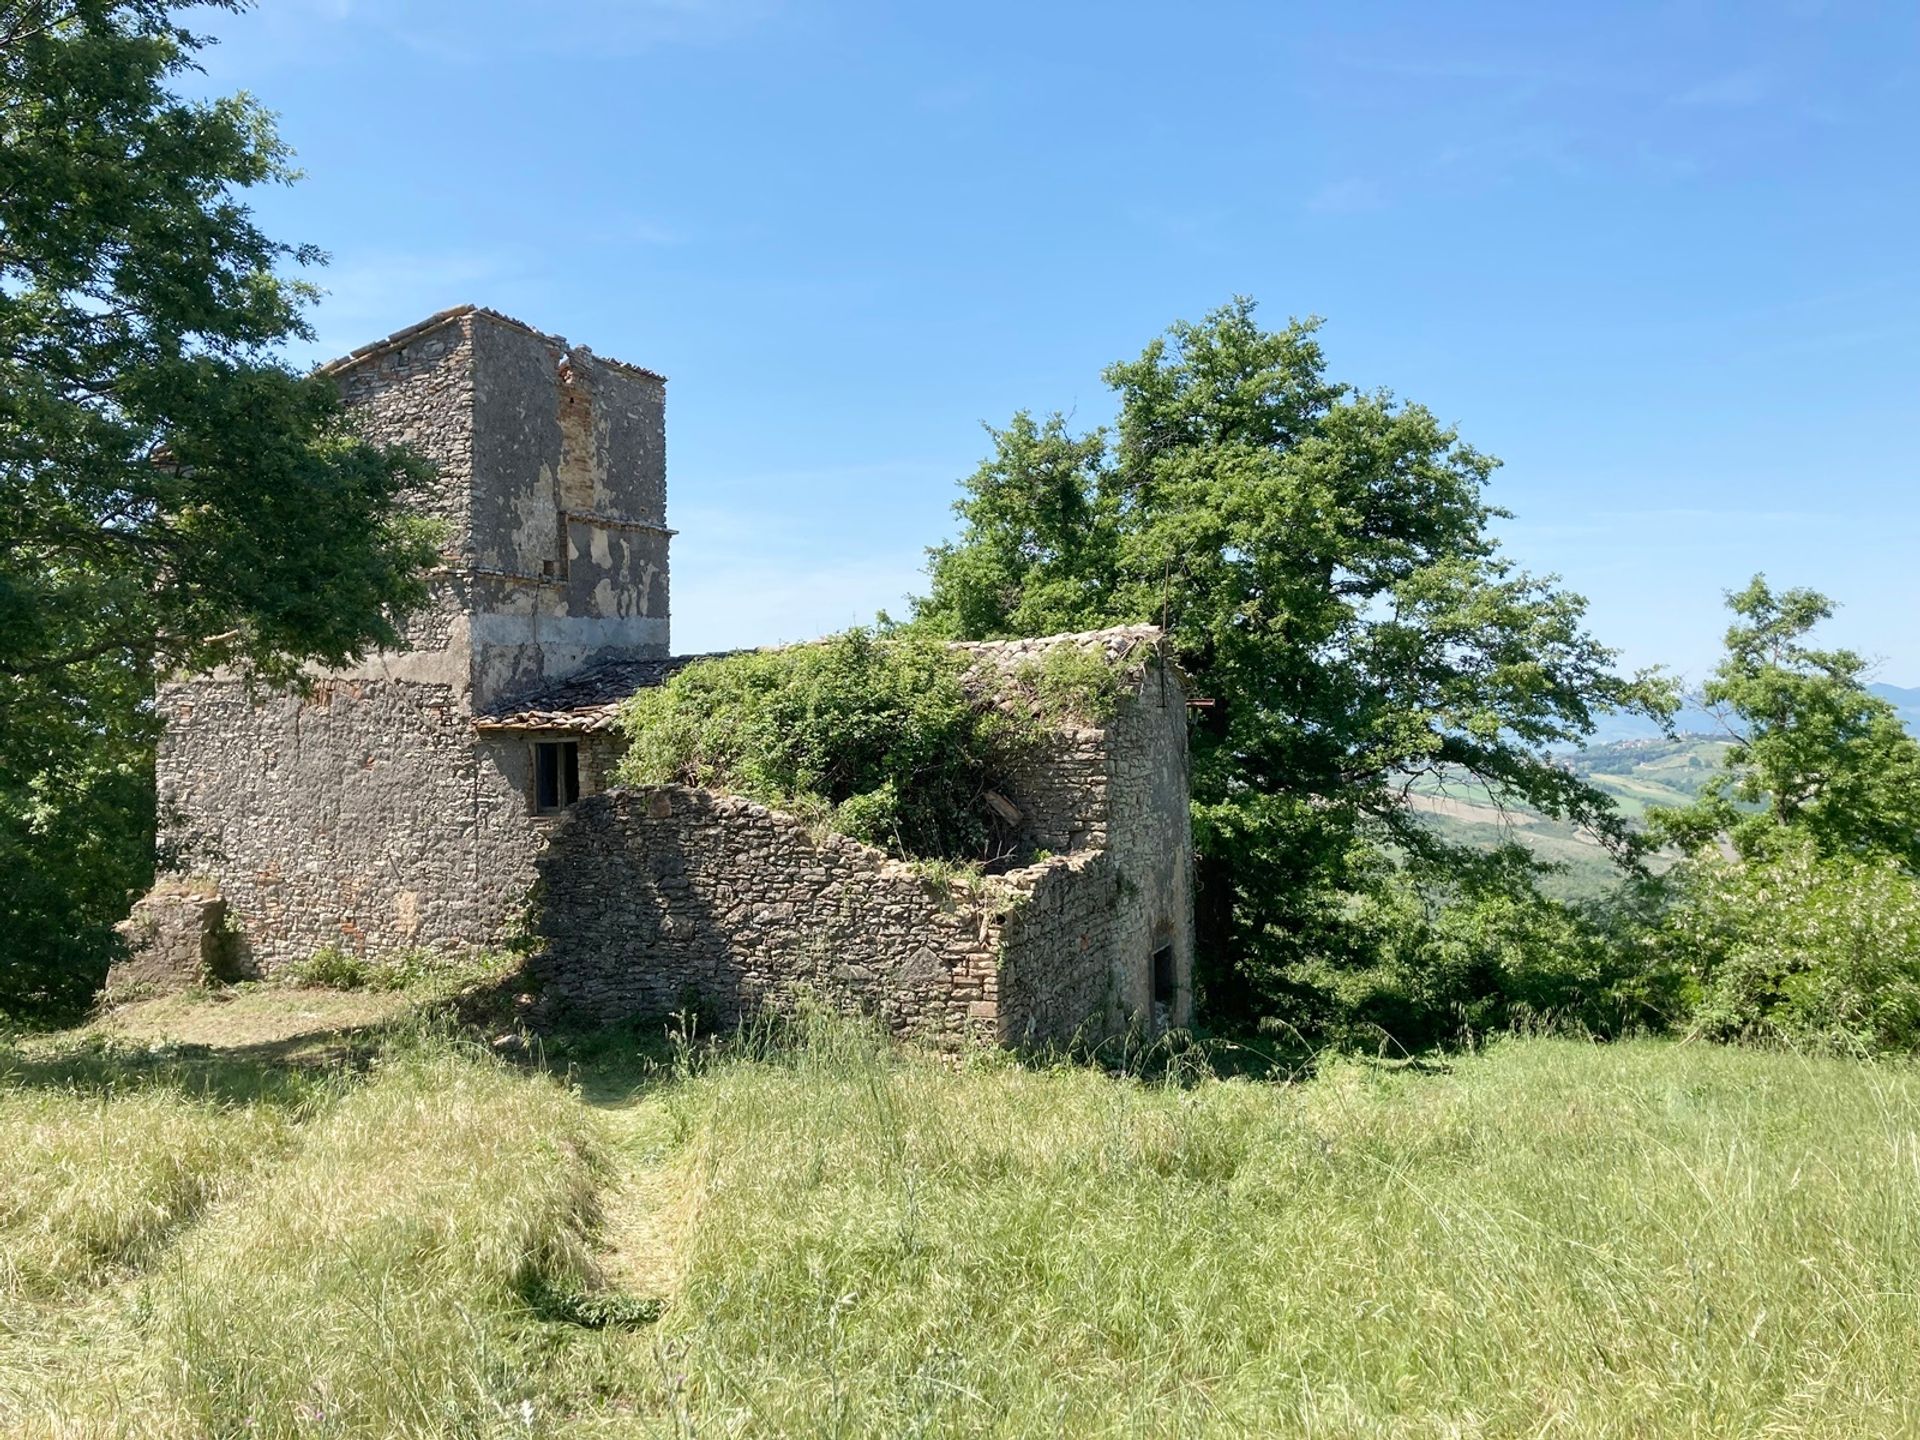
[172, 496]
[1796, 916]
[1323, 561]
[1816, 755]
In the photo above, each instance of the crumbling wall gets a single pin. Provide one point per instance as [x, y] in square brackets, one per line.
[569, 532]
[658, 898]
[421, 395]
[1061, 791]
[344, 816]
[1060, 976]
[1079, 954]
[661, 897]
[177, 937]
[368, 813]
[1150, 840]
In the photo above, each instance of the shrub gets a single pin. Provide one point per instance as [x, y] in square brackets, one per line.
[1796, 948]
[331, 968]
[1073, 682]
[1425, 966]
[877, 735]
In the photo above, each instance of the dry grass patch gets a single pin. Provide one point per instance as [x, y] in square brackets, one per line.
[93, 1183]
[296, 1022]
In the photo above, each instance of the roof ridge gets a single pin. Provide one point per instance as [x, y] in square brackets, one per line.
[457, 312]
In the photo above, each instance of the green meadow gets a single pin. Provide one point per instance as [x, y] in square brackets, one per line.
[390, 1231]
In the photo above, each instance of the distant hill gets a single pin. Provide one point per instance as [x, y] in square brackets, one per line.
[1637, 773]
[1629, 759]
[1904, 699]
[1692, 720]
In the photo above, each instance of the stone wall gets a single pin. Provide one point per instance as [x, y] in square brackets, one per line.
[570, 537]
[178, 936]
[660, 898]
[367, 813]
[340, 818]
[1078, 958]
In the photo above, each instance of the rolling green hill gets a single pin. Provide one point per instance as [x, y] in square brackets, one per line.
[1636, 773]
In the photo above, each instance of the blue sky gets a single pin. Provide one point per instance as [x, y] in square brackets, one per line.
[1659, 258]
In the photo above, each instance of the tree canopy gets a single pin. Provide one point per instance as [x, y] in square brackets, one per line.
[1322, 558]
[1816, 754]
[172, 494]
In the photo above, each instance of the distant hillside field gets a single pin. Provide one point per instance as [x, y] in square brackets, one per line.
[1636, 773]
[825, 1236]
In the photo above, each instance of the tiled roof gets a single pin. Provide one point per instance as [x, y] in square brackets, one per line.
[1129, 646]
[433, 322]
[585, 700]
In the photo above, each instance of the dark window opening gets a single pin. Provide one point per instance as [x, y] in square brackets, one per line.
[556, 775]
[1163, 977]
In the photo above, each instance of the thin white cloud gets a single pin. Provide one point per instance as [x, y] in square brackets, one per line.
[1351, 196]
[1735, 90]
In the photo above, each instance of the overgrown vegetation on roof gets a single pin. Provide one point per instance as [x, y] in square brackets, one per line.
[883, 737]
[1071, 683]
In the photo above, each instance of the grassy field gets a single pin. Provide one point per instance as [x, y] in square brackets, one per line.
[823, 1236]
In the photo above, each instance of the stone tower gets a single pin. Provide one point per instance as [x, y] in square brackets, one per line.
[370, 812]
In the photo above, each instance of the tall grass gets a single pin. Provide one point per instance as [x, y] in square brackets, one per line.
[1547, 1239]
[376, 1281]
[90, 1183]
[370, 1285]
[1550, 1239]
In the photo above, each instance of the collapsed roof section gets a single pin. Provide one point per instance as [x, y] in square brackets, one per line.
[589, 700]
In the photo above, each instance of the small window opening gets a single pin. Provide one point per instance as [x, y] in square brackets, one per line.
[556, 775]
[1163, 978]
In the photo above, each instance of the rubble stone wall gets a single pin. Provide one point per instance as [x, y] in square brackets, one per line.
[368, 813]
[1078, 960]
[569, 536]
[341, 818]
[663, 897]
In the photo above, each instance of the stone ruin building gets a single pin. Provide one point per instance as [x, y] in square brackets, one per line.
[415, 799]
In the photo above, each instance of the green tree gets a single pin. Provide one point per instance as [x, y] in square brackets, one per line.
[1323, 561]
[1815, 754]
[172, 496]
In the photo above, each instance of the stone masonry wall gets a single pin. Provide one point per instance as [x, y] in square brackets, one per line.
[346, 816]
[342, 818]
[367, 813]
[661, 897]
[1078, 955]
[569, 534]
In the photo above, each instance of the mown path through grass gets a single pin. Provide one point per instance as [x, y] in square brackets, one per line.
[827, 1236]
